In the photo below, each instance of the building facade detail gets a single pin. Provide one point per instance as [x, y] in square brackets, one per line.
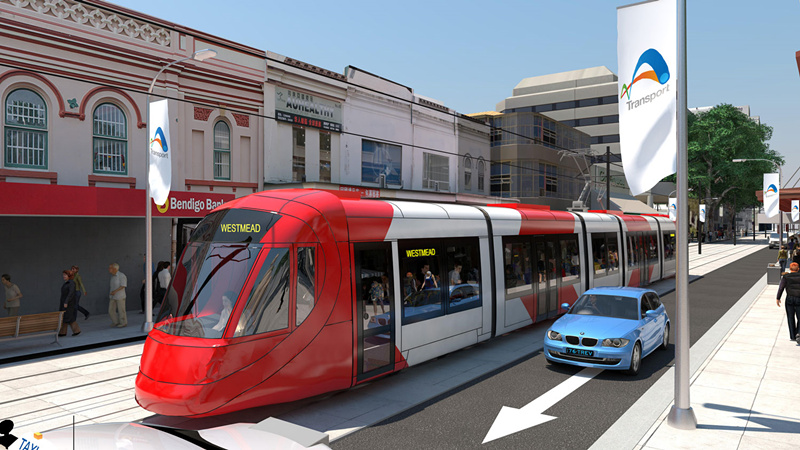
[202, 114]
[98, 18]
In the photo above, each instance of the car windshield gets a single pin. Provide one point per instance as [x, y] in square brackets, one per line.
[616, 306]
[775, 235]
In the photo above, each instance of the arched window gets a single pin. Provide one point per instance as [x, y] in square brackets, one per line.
[222, 151]
[26, 130]
[467, 172]
[109, 140]
[481, 172]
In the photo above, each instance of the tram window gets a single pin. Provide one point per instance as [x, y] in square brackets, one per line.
[463, 276]
[207, 273]
[651, 243]
[613, 252]
[305, 283]
[422, 285]
[267, 308]
[669, 246]
[599, 255]
[633, 249]
[518, 267]
[570, 259]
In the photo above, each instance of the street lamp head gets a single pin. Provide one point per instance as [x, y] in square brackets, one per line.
[202, 55]
[739, 160]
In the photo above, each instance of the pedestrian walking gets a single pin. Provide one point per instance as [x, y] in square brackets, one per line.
[783, 255]
[67, 304]
[791, 282]
[80, 291]
[164, 278]
[13, 295]
[116, 297]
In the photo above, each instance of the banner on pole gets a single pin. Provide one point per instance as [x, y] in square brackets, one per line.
[702, 212]
[772, 194]
[795, 210]
[647, 59]
[673, 209]
[159, 147]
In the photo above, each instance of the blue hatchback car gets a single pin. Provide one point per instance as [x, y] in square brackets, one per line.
[609, 328]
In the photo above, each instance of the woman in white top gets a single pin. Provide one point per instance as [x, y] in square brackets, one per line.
[227, 306]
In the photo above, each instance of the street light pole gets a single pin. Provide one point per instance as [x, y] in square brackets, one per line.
[200, 55]
[780, 213]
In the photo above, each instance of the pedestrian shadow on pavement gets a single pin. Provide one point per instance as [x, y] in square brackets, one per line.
[771, 423]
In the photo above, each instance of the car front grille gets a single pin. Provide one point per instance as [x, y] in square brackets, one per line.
[587, 342]
[586, 359]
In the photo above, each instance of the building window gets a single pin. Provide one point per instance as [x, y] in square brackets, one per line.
[467, 173]
[26, 130]
[548, 180]
[324, 157]
[109, 140]
[222, 151]
[298, 155]
[481, 172]
[436, 172]
[380, 161]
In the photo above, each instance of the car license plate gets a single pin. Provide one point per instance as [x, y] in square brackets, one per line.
[579, 352]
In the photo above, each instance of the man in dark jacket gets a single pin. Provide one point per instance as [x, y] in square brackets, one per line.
[791, 282]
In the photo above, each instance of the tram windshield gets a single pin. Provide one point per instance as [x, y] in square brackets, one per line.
[212, 272]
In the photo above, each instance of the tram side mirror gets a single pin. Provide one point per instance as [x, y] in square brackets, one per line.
[565, 306]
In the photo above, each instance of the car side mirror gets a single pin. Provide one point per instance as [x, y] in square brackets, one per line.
[565, 306]
[651, 313]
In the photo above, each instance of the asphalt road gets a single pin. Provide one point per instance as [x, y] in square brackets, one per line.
[461, 418]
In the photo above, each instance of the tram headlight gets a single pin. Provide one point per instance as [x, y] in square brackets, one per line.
[616, 343]
[553, 335]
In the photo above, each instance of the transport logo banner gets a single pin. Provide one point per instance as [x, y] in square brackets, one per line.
[673, 209]
[647, 58]
[771, 194]
[702, 213]
[159, 150]
[795, 210]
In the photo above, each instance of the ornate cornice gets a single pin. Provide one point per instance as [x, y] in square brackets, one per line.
[97, 18]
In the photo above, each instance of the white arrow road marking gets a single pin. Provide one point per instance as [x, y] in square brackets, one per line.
[513, 420]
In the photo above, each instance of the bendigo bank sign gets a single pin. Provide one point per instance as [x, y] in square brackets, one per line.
[185, 204]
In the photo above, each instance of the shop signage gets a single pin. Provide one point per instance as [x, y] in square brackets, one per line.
[307, 110]
[190, 204]
[365, 193]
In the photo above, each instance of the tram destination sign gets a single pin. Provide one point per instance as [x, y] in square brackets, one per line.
[307, 110]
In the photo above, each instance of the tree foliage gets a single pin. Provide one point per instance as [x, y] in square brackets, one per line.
[716, 138]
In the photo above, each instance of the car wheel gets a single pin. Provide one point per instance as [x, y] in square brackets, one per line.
[636, 360]
[665, 338]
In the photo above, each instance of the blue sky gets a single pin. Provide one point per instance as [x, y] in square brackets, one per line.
[470, 54]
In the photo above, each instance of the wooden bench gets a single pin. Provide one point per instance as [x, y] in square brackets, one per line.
[31, 325]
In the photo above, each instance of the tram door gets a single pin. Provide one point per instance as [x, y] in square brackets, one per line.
[374, 305]
[547, 272]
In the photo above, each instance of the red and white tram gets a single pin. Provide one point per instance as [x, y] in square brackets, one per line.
[287, 294]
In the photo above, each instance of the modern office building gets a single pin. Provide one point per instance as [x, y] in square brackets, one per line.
[586, 100]
[526, 163]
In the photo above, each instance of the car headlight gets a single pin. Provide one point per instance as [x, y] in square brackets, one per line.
[616, 343]
[554, 335]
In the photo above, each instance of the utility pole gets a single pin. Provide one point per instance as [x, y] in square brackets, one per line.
[608, 178]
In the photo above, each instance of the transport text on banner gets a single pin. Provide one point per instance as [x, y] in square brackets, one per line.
[702, 213]
[160, 152]
[771, 194]
[795, 210]
[647, 59]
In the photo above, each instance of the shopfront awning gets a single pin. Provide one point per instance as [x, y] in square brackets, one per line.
[631, 205]
[25, 199]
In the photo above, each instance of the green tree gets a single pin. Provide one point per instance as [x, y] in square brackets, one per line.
[716, 138]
